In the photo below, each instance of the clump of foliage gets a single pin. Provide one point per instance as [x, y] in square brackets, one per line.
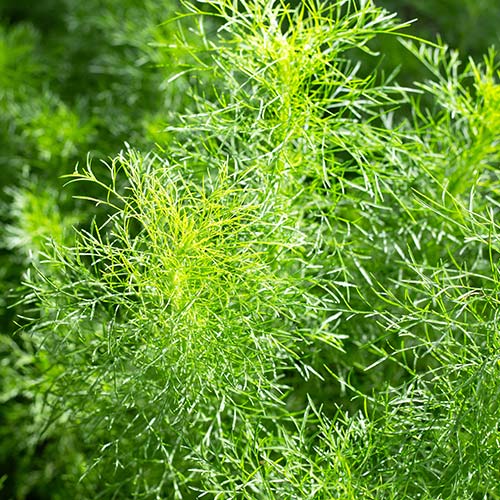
[294, 294]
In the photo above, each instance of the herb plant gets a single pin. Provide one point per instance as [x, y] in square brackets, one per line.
[293, 293]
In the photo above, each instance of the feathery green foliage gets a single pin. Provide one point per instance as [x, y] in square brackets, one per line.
[293, 294]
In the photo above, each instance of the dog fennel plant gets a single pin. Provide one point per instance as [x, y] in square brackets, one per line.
[296, 295]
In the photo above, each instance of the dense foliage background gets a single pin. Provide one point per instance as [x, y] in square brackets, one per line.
[249, 252]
